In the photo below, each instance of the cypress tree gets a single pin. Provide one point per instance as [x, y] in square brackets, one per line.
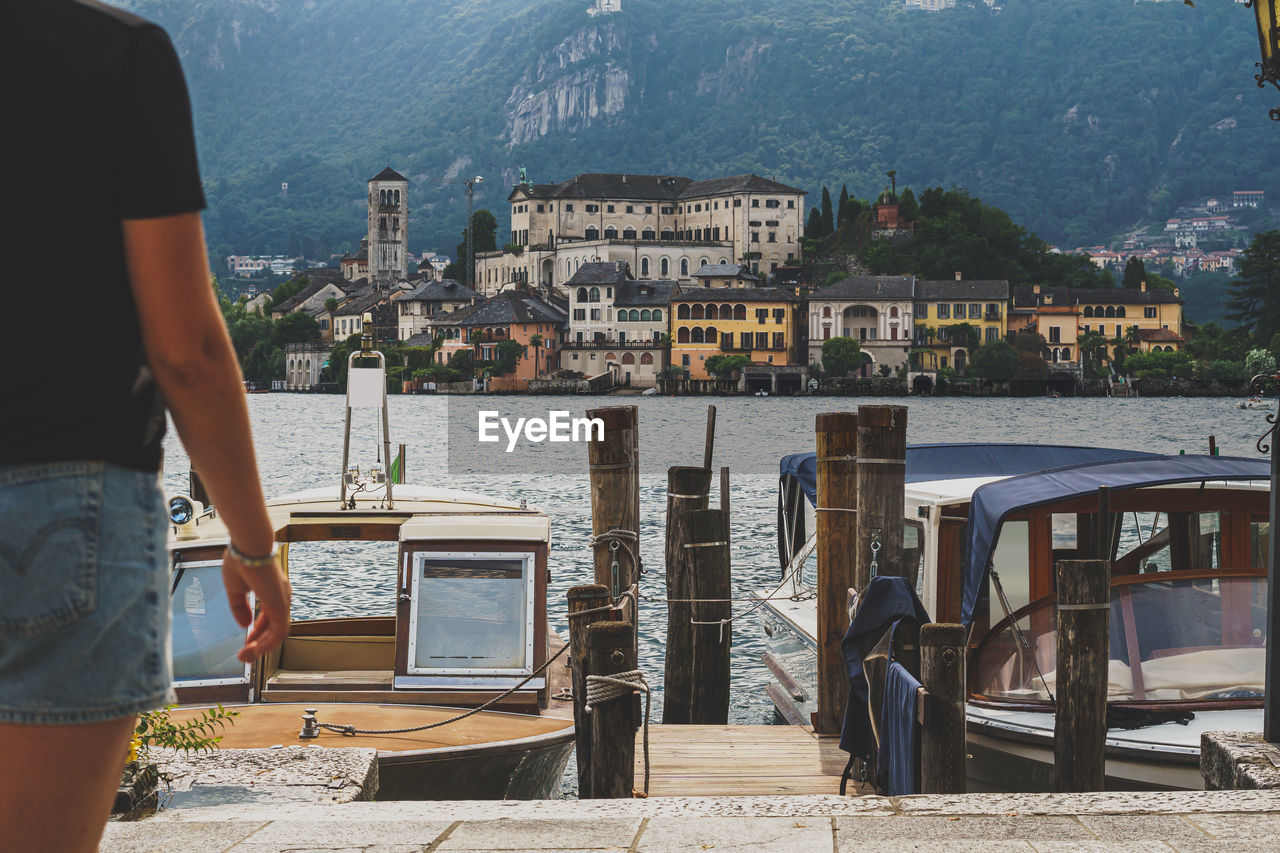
[1135, 273]
[813, 227]
[828, 220]
[842, 211]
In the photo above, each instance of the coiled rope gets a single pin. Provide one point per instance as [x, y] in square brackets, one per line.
[604, 688]
[351, 731]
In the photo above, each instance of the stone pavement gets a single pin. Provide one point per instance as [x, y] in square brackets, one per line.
[1185, 821]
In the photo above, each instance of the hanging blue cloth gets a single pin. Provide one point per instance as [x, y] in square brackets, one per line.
[886, 600]
[899, 757]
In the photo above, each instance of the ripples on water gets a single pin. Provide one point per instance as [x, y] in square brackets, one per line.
[299, 444]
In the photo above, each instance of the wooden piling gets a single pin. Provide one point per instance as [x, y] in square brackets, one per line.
[687, 491]
[611, 648]
[1080, 727]
[942, 740]
[706, 544]
[709, 442]
[614, 496]
[882, 454]
[588, 597]
[403, 463]
[837, 434]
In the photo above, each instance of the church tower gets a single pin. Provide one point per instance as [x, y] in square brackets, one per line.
[388, 226]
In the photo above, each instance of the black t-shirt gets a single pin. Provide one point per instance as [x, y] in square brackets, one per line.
[98, 129]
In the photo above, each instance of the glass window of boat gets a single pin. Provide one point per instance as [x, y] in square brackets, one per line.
[913, 553]
[1259, 543]
[205, 635]
[1171, 639]
[1011, 565]
[1174, 541]
[472, 613]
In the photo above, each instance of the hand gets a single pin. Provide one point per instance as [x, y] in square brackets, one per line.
[273, 593]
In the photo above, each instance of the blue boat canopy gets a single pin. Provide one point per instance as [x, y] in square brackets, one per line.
[994, 502]
[929, 462]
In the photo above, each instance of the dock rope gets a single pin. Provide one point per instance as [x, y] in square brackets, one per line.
[352, 731]
[604, 688]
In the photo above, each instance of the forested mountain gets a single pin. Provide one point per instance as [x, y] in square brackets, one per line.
[1078, 117]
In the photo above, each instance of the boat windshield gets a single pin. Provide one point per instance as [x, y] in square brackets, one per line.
[1172, 639]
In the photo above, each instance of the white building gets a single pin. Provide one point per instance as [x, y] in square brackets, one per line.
[876, 311]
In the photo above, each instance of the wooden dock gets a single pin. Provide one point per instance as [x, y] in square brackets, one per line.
[693, 761]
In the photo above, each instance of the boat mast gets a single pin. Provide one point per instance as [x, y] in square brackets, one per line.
[366, 388]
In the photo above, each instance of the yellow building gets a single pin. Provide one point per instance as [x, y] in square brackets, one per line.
[940, 306]
[1145, 319]
[762, 323]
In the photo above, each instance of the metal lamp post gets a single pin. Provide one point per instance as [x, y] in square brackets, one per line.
[1264, 12]
[471, 255]
[1262, 383]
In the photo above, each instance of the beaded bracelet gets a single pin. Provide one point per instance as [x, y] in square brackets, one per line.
[266, 561]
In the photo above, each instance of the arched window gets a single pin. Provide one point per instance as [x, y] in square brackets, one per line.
[646, 358]
[397, 201]
[644, 266]
[697, 312]
[893, 311]
[646, 234]
[724, 261]
[665, 267]
[582, 294]
[628, 358]
[702, 262]
[711, 334]
[1088, 310]
[645, 316]
[684, 266]
[593, 233]
[611, 233]
[682, 312]
[593, 295]
[1111, 311]
[668, 234]
[637, 316]
[628, 233]
[711, 311]
[826, 310]
[726, 311]
[1119, 311]
[1066, 353]
[610, 356]
[739, 312]
[695, 335]
[657, 313]
[682, 335]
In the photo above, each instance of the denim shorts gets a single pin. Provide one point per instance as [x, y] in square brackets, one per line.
[84, 593]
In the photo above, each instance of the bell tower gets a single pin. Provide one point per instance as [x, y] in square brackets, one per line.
[388, 226]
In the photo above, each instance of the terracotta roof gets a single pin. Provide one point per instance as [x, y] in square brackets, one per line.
[1160, 336]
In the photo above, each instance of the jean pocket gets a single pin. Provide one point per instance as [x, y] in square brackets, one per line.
[49, 535]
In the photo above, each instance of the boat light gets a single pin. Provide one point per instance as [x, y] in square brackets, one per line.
[181, 510]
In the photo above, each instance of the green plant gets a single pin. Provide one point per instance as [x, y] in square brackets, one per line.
[157, 729]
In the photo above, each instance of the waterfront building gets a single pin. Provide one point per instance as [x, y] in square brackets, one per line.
[516, 315]
[942, 306]
[1144, 318]
[303, 362]
[416, 307]
[761, 323]
[618, 323]
[876, 311]
[665, 226]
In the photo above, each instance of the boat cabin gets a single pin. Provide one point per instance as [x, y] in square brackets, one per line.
[469, 577]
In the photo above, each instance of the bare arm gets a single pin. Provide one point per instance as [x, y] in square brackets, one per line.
[195, 368]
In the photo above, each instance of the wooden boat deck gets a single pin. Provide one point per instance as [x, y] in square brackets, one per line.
[696, 761]
[265, 725]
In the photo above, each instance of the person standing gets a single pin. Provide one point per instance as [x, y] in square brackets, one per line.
[110, 317]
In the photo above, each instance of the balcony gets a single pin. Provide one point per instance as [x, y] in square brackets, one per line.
[611, 343]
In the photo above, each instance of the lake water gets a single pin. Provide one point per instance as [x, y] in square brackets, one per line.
[299, 445]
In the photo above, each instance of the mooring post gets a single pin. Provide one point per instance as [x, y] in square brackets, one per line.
[687, 491]
[588, 597]
[882, 467]
[403, 463]
[710, 440]
[942, 739]
[611, 649]
[614, 506]
[706, 543]
[837, 434]
[1080, 725]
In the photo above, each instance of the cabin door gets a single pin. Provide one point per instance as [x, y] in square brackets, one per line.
[205, 636]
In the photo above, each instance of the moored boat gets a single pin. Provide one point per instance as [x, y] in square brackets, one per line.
[465, 628]
[984, 526]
